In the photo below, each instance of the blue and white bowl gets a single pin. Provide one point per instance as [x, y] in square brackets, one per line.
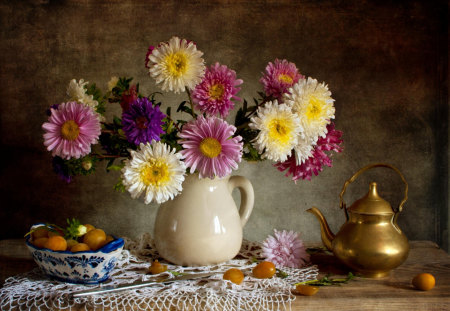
[87, 267]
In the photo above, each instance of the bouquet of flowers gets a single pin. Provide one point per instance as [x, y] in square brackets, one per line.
[290, 124]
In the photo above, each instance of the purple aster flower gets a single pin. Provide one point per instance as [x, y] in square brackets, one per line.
[279, 77]
[49, 110]
[215, 94]
[60, 168]
[285, 249]
[315, 163]
[142, 122]
[209, 146]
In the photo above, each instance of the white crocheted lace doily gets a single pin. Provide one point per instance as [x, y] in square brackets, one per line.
[34, 291]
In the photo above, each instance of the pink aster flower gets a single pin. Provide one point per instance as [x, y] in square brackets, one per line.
[208, 146]
[279, 77]
[215, 94]
[315, 163]
[71, 130]
[285, 249]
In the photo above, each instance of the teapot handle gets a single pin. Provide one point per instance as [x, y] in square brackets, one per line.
[365, 168]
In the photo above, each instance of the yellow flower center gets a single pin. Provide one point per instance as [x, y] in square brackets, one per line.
[176, 64]
[315, 108]
[285, 78]
[279, 131]
[216, 91]
[210, 147]
[156, 173]
[70, 130]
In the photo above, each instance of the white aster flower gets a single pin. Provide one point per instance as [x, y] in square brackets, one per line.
[77, 92]
[177, 64]
[279, 131]
[313, 104]
[155, 170]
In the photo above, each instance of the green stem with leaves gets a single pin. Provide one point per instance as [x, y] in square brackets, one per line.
[327, 281]
[190, 102]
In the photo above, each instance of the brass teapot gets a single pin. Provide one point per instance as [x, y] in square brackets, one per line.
[370, 241]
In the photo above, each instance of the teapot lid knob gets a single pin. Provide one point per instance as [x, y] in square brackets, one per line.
[373, 193]
[371, 203]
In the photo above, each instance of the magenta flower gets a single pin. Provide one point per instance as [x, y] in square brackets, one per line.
[215, 94]
[71, 130]
[142, 122]
[279, 77]
[315, 163]
[208, 146]
[128, 97]
[285, 249]
[149, 52]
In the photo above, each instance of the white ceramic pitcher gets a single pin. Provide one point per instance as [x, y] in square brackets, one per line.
[202, 225]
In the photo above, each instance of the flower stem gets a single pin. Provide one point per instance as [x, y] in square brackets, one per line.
[174, 123]
[107, 156]
[190, 102]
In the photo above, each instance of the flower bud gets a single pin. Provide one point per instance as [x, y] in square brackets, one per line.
[82, 230]
[87, 164]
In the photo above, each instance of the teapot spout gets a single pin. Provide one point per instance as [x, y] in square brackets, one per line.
[326, 234]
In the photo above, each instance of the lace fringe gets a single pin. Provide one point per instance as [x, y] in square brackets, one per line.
[34, 291]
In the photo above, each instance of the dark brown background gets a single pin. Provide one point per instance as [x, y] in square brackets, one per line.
[384, 61]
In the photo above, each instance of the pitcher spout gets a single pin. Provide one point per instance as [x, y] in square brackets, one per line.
[326, 234]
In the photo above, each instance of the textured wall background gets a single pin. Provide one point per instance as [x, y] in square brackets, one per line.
[385, 63]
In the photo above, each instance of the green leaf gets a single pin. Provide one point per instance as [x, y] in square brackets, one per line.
[119, 186]
[72, 230]
[282, 274]
[110, 163]
[327, 281]
[181, 106]
[114, 168]
[240, 117]
[252, 108]
[117, 121]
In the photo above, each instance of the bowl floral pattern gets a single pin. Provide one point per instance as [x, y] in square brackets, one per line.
[87, 267]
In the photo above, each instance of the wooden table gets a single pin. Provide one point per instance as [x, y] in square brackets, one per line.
[391, 293]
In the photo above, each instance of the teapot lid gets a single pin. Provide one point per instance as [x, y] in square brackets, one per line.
[371, 203]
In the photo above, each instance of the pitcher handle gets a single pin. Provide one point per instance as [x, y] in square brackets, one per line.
[365, 168]
[247, 196]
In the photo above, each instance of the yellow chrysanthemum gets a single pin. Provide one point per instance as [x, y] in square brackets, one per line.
[156, 170]
[312, 103]
[279, 131]
[177, 64]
